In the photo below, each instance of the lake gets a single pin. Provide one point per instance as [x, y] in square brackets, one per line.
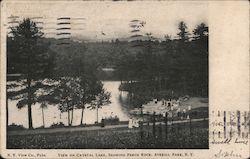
[53, 115]
[120, 107]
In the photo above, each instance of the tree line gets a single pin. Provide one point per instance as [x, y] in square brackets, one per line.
[167, 69]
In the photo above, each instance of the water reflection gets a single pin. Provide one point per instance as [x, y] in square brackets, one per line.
[119, 107]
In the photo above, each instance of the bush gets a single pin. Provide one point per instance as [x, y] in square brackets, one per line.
[40, 127]
[15, 127]
[111, 120]
[57, 125]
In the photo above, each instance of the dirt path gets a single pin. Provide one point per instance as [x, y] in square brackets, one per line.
[75, 129]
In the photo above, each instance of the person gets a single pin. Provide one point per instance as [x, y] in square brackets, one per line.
[178, 114]
[102, 123]
[136, 123]
[184, 113]
[130, 123]
[111, 115]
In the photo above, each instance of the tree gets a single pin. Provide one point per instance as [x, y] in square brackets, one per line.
[201, 31]
[183, 34]
[77, 73]
[182, 59]
[75, 92]
[66, 94]
[101, 99]
[89, 85]
[201, 50]
[32, 61]
[167, 38]
[84, 98]
[89, 88]
[42, 106]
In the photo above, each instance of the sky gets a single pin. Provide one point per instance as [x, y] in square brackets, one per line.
[100, 21]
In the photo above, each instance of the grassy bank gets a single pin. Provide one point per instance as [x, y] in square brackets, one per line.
[177, 136]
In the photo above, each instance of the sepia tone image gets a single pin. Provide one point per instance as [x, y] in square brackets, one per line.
[114, 75]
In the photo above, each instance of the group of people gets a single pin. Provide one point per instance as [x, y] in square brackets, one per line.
[133, 122]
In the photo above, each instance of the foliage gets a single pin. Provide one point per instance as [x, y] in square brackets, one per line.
[29, 56]
[57, 125]
[15, 127]
[101, 99]
[174, 65]
[183, 34]
[111, 120]
[201, 31]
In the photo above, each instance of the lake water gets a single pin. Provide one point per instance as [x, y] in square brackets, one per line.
[53, 115]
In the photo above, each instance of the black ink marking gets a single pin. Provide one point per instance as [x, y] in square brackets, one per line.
[64, 39]
[13, 22]
[238, 123]
[135, 36]
[63, 23]
[134, 21]
[64, 18]
[63, 28]
[225, 124]
[63, 34]
[136, 30]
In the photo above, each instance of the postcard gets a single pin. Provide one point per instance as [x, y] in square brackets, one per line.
[124, 79]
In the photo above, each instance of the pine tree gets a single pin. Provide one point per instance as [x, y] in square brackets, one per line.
[201, 31]
[201, 49]
[32, 63]
[183, 34]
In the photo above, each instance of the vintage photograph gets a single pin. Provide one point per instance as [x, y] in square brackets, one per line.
[107, 75]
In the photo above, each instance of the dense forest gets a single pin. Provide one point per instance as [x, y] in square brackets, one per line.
[174, 62]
